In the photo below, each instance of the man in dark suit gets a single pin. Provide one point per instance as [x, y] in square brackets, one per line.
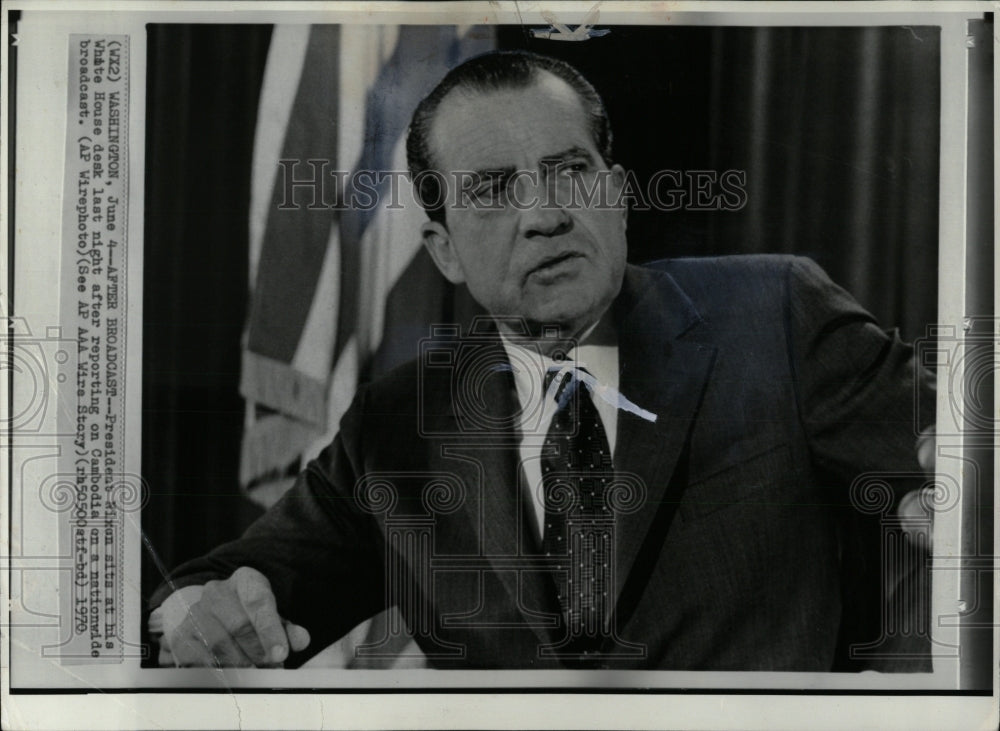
[624, 467]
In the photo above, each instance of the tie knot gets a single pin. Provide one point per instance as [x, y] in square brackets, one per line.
[561, 382]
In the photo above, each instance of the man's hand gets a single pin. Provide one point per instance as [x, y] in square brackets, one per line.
[915, 505]
[234, 624]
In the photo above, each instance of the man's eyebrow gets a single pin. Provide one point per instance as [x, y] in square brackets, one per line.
[574, 151]
[497, 173]
[502, 173]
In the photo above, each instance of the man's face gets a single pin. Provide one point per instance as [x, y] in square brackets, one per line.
[523, 252]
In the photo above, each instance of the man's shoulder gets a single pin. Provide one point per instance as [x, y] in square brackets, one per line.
[747, 280]
[742, 267]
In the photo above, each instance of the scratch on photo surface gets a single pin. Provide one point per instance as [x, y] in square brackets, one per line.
[562, 32]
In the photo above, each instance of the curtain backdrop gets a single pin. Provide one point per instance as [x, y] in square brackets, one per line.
[836, 130]
[201, 99]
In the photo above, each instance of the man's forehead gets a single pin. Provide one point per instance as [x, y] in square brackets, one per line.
[477, 130]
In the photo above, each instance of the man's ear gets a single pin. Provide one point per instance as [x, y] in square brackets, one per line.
[618, 182]
[442, 250]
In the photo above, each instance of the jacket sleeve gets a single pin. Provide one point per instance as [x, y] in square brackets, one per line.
[862, 396]
[323, 556]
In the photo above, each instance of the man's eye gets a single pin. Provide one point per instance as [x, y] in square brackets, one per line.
[578, 166]
[488, 190]
[489, 195]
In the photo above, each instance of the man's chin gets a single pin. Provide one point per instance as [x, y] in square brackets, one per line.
[562, 325]
[565, 312]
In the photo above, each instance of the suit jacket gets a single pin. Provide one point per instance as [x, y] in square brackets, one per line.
[773, 392]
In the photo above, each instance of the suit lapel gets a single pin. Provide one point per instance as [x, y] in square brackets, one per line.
[663, 368]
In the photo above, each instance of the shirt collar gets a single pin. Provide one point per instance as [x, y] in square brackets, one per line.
[596, 350]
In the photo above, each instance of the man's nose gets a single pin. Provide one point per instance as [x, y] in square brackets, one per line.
[542, 214]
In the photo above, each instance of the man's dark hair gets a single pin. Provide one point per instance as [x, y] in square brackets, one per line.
[493, 71]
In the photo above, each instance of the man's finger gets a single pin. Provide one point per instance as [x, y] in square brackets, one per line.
[917, 516]
[254, 592]
[926, 448]
[298, 636]
[913, 505]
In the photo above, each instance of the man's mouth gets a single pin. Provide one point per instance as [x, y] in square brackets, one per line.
[552, 265]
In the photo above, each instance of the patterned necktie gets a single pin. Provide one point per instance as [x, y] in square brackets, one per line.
[576, 467]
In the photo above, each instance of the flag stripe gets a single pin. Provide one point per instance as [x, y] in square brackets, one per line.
[282, 74]
[295, 238]
[276, 385]
[315, 351]
[273, 443]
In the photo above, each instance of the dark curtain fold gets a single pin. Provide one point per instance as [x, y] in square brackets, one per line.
[201, 100]
[838, 131]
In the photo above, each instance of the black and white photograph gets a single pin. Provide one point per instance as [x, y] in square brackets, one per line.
[640, 356]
